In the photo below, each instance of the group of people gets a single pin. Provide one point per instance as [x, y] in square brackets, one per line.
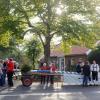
[45, 79]
[6, 69]
[89, 72]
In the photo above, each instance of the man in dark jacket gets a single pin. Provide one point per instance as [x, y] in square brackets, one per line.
[78, 67]
[86, 73]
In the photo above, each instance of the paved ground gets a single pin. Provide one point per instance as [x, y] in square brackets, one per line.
[16, 82]
[36, 92]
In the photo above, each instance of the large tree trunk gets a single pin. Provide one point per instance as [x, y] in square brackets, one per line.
[47, 50]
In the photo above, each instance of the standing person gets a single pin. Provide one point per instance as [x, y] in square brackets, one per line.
[90, 74]
[95, 70]
[82, 65]
[78, 67]
[86, 73]
[44, 78]
[10, 71]
[1, 73]
[53, 68]
[4, 70]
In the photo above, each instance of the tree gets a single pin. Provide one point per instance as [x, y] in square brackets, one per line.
[51, 22]
[95, 55]
[33, 50]
[10, 30]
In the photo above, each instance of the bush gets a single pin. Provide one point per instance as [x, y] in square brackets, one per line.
[95, 55]
[25, 68]
[72, 68]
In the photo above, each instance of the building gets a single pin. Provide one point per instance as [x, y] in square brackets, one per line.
[65, 61]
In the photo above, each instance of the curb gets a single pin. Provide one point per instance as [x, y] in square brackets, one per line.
[81, 86]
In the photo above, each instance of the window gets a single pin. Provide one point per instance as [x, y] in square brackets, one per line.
[61, 63]
[72, 61]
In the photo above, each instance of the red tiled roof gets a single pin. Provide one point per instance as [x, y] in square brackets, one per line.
[75, 50]
[56, 53]
[78, 50]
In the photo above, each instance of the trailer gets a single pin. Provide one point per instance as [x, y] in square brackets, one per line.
[28, 79]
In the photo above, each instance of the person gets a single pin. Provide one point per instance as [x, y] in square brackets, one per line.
[15, 70]
[78, 67]
[81, 66]
[95, 70]
[1, 73]
[53, 68]
[86, 73]
[90, 74]
[44, 78]
[10, 71]
[4, 70]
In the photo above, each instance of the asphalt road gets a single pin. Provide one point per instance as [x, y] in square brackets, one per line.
[37, 92]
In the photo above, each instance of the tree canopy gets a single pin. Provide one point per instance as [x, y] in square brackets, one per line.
[73, 20]
[33, 50]
[95, 55]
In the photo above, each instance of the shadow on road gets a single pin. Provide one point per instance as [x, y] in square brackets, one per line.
[36, 92]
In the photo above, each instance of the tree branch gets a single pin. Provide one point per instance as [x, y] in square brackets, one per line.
[41, 40]
[21, 9]
[43, 19]
[37, 32]
[27, 31]
[53, 33]
[27, 18]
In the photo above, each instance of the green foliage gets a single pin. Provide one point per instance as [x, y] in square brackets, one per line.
[71, 24]
[33, 50]
[10, 26]
[5, 39]
[81, 6]
[4, 7]
[76, 32]
[66, 47]
[95, 55]
[13, 26]
[72, 68]
[25, 68]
